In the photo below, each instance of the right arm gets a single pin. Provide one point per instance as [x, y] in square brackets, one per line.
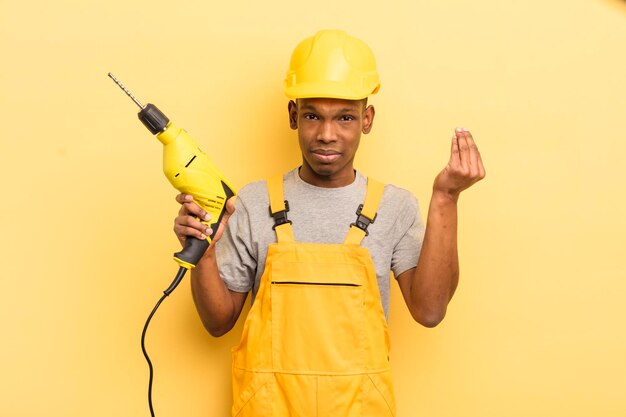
[218, 307]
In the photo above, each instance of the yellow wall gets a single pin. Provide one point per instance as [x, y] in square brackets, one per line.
[537, 325]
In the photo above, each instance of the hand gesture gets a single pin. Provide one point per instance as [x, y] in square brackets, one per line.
[464, 168]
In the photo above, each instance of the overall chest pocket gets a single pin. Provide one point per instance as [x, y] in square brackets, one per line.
[317, 317]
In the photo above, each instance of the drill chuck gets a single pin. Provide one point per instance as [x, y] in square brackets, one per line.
[150, 115]
[153, 119]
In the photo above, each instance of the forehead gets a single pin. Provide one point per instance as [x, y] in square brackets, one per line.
[329, 104]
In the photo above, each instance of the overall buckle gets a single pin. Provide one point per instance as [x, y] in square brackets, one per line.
[280, 217]
[362, 222]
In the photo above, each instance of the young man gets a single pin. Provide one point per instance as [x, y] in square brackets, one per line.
[315, 248]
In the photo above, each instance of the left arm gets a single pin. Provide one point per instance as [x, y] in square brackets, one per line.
[428, 288]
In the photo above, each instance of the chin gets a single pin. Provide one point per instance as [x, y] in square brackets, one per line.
[324, 170]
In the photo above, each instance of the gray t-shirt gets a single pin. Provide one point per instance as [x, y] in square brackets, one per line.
[319, 215]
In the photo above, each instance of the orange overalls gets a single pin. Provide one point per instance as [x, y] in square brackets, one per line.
[315, 341]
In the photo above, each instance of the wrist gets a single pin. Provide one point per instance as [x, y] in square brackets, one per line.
[443, 197]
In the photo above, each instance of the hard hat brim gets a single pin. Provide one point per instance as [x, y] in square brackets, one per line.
[329, 89]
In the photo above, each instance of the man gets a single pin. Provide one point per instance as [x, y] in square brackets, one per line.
[315, 248]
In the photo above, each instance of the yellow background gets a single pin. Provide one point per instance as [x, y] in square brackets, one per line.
[537, 325]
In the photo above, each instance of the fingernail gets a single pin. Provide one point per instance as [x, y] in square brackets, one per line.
[202, 236]
[207, 216]
[458, 129]
[465, 129]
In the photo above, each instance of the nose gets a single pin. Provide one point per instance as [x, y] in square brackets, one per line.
[327, 132]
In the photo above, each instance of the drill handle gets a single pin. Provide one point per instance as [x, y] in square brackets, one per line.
[193, 250]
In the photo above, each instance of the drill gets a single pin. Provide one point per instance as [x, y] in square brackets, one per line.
[190, 171]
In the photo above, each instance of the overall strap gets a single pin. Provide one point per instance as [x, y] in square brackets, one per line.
[278, 209]
[366, 213]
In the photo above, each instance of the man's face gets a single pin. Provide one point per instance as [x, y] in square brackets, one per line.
[329, 131]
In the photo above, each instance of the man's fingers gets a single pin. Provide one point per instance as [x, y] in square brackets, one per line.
[465, 166]
[474, 154]
[464, 156]
[195, 210]
[478, 169]
[481, 168]
[230, 209]
[189, 207]
[184, 198]
[193, 222]
[192, 218]
[230, 205]
[455, 158]
[190, 231]
[190, 226]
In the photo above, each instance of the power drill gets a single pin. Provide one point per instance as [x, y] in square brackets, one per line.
[191, 172]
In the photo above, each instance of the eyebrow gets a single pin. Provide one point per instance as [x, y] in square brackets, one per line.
[310, 107]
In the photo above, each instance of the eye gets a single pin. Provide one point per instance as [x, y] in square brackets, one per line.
[346, 118]
[311, 116]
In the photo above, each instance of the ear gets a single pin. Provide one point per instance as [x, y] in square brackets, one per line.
[293, 114]
[368, 119]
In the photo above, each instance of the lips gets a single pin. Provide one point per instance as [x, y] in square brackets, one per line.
[325, 155]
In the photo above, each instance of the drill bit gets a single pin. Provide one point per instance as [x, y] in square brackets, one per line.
[126, 91]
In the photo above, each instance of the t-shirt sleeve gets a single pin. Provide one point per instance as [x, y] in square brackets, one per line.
[235, 259]
[410, 228]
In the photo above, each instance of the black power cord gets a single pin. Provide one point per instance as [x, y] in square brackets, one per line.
[173, 285]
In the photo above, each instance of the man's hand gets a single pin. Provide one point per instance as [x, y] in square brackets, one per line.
[217, 306]
[187, 223]
[428, 288]
[464, 168]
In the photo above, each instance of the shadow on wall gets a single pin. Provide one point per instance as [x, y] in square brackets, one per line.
[618, 4]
